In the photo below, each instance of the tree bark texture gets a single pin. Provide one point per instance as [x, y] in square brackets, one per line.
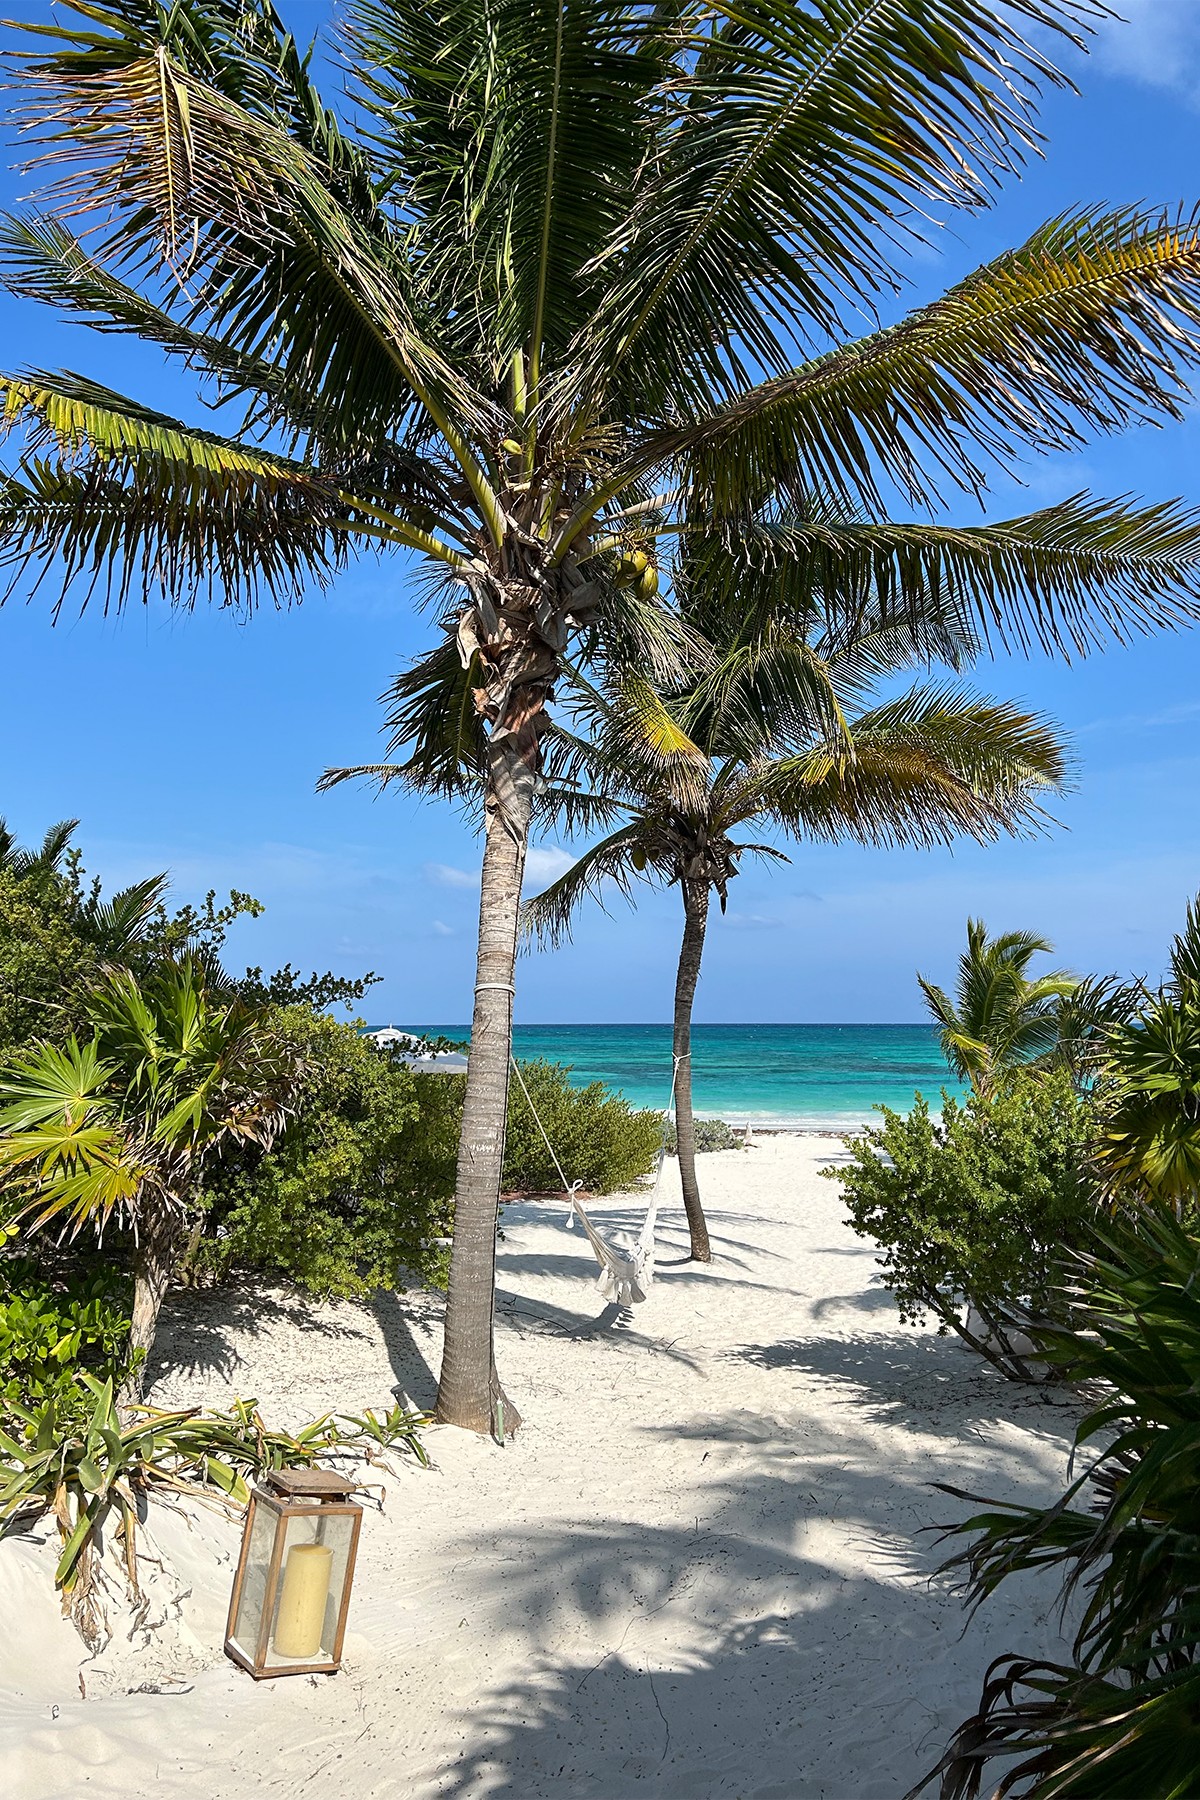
[695, 915]
[159, 1242]
[469, 1391]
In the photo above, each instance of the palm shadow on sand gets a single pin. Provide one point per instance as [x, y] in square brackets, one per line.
[730, 1656]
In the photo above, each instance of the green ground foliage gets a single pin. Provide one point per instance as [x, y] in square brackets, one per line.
[44, 962]
[1122, 1717]
[977, 1211]
[598, 1137]
[95, 1470]
[358, 1189]
[711, 1134]
[52, 1327]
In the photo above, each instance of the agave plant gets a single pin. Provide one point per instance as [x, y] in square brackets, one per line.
[119, 1127]
[1123, 1718]
[576, 274]
[104, 1468]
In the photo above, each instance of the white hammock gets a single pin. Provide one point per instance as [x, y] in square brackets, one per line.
[626, 1269]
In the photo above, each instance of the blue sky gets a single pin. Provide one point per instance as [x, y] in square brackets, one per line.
[192, 743]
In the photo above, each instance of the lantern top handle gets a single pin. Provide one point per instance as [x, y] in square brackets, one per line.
[320, 1484]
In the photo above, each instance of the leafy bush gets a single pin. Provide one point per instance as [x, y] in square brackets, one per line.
[599, 1138]
[45, 964]
[358, 1187]
[86, 1471]
[51, 1330]
[1123, 1718]
[711, 1134]
[974, 1215]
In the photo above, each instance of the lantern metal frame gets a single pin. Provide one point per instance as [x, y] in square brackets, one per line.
[299, 1494]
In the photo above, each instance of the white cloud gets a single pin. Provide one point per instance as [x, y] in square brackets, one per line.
[1157, 43]
[439, 928]
[546, 865]
[542, 865]
[443, 875]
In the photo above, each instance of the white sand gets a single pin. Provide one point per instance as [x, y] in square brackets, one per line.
[698, 1571]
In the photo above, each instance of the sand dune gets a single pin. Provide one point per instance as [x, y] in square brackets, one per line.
[700, 1570]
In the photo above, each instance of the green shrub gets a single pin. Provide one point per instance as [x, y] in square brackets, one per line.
[1122, 1718]
[973, 1215]
[711, 1134]
[599, 1138]
[359, 1186]
[50, 1330]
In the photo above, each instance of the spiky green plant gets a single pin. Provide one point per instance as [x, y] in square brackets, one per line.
[101, 1470]
[119, 1126]
[575, 275]
[1123, 1717]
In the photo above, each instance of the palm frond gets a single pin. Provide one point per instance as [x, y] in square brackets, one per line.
[238, 207]
[522, 126]
[798, 145]
[935, 764]
[1085, 328]
[609, 865]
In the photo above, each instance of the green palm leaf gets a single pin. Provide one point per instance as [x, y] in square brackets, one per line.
[1076, 331]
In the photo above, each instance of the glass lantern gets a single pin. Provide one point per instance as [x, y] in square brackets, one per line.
[291, 1592]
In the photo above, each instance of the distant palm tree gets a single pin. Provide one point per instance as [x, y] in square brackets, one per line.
[47, 859]
[121, 1125]
[571, 273]
[114, 927]
[999, 1017]
[784, 729]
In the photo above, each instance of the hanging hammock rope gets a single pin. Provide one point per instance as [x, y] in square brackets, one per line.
[626, 1269]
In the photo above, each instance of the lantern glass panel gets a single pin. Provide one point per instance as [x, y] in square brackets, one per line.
[246, 1627]
[308, 1594]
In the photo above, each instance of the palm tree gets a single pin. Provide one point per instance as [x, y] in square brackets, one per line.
[786, 731]
[999, 1017]
[47, 859]
[120, 1126]
[577, 274]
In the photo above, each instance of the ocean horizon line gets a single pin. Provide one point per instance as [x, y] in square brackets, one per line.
[818, 1076]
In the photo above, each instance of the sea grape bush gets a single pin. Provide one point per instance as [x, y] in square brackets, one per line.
[50, 1330]
[973, 1215]
[600, 1139]
[356, 1191]
[711, 1134]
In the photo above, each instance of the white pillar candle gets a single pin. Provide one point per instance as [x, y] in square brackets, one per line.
[301, 1618]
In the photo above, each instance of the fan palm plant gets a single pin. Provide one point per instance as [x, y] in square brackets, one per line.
[999, 1017]
[119, 1127]
[573, 274]
[784, 730]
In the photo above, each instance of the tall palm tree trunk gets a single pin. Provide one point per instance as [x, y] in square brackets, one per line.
[695, 919]
[469, 1391]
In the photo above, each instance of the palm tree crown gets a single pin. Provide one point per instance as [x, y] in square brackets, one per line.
[999, 1017]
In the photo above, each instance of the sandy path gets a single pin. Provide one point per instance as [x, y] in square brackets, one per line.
[699, 1571]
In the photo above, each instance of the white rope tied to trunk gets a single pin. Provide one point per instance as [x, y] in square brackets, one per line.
[626, 1270]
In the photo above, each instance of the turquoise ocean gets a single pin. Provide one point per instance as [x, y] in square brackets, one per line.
[816, 1076]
